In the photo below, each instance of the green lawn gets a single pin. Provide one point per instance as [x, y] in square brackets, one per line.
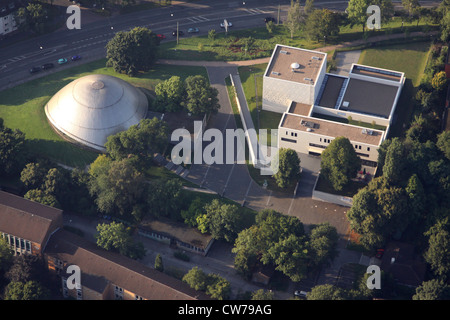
[26, 112]
[409, 58]
[231, 46]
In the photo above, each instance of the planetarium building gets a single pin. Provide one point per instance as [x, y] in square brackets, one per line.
[91, 108]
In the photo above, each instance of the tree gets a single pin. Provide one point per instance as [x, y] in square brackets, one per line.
[200, 96]
[443, 143]
[169, 95]
[262, 294]
[434, 289]
[132, 51]
[288, 167]
[294, 16]
[196, 279]
[163, 198]
[159, 263]
[11, 151]
[33, 175]
[323, 244]
[30, 290]
[340, 163]
[270, 26]
[439, 81]
[115, 236]
[221, 220]
[118, 188]
[326, 292]
[196, 208]
[416, 197]
[31, 18]
[445, 27]
[379, 211]
[321, 24]
[212, 36]
[438, 243]
[309, 7]
[141, 141]
[218, 287]
[26, 268]
[394, 165]
[37, 195]
[357, 12]
[6, 256]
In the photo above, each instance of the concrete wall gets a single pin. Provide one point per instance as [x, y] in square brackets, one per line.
[332, 198]
[278, 94]
[355, 116]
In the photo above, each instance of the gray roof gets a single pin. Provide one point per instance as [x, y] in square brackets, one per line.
[91, 108]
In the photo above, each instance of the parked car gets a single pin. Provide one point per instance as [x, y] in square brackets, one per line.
[300, 294]
[62, 61]
[193, 30]
[268, 19]
[47, 66]
[35, 69]
[75, 58]
[180, 33]
[161, 36]
[222, 25]
[379, 253]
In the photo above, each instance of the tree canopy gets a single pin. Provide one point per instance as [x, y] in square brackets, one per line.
[132, 51]
[288, 167]
[340, 163]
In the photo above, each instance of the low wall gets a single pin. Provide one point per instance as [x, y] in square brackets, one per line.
[332, 198]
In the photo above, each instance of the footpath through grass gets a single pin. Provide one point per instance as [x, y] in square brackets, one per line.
[22, 107]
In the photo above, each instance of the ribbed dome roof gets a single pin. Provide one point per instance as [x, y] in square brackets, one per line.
[94, 107]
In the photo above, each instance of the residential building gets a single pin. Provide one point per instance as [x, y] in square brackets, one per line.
[26, 225]
[8, 9]
[106, 275]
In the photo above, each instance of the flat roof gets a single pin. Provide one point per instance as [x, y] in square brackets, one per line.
[331, 129]
[309, 64]
[377, 73]
[302, 109]
[330, 94]
[369, 98]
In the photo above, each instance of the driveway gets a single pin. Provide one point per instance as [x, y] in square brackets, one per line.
[344, 61]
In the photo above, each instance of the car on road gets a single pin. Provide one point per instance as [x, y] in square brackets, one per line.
[180, 33]
[62, 61]
[35, 69]
[160, 36]
[268, 19]
[47, 66]
[222, 25]
[193, 30]
[300, 294]
[75, 57]
[379, 253]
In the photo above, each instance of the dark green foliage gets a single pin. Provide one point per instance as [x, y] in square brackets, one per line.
[11, 151]
[200, 96]
[340, 163]
[132, 51]
[288, 167]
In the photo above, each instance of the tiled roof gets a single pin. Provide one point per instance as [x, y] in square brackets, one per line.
[98, 265]
[26, 219]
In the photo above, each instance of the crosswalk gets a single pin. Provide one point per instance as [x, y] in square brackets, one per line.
[198, 19]
[255, 11]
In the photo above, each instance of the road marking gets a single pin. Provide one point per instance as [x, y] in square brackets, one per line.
[268, 199]
[228, 179]
[198, 19]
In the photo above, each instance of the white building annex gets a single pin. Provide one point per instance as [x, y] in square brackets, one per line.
[93, 107]
[316, 105]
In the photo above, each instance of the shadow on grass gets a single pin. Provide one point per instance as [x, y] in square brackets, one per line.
[62, 152]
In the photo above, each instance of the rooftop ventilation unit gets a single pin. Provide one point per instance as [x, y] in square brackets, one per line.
[294, 66]
[367, 131]
[284, 51]
[308, 79]
[276, 73]
[345, 104]
[315, 58]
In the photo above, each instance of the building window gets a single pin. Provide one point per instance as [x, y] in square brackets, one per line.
[368, 148]
[289, 140]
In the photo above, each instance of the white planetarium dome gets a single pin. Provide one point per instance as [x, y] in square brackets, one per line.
[91, 108]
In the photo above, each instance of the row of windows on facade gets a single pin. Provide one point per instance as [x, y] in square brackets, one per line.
[19, 245]
[294, 134]
[180, 243]
[118, 292]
